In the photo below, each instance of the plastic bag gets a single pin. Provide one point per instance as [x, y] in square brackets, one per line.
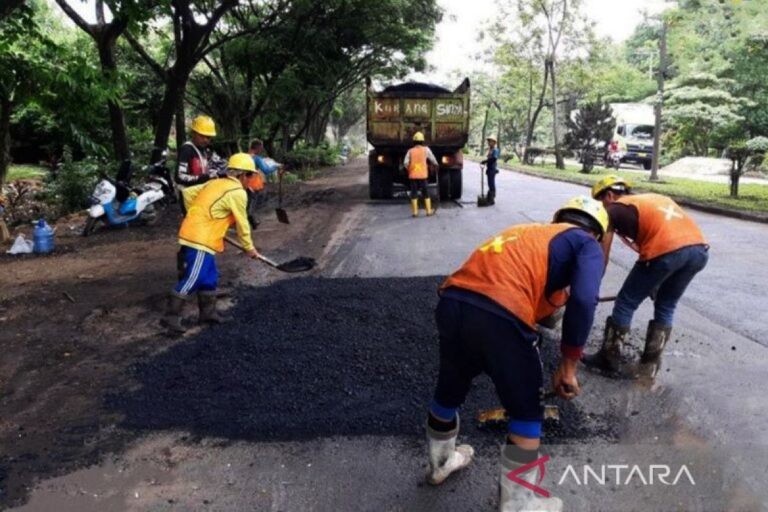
[21, 246]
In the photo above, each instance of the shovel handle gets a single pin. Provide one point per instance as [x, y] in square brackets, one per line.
[610, 298]
[263, 258]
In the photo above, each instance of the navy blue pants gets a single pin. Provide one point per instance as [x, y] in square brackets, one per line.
[668, 275]
[418, 186]
[491, 174]
[200, 273]
[473, 340]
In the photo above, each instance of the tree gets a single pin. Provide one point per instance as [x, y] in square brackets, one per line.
[591, 124]
[697, 108]
[8, 7]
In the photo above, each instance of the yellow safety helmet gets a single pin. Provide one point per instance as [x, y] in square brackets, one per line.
[418, 137]
[204, 125]
[611, 181]
[241, 162]
[585, 212]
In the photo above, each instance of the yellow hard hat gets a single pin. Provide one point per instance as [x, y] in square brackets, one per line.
[241, 162]
[204, 125]
[611, 181]
[418, 137]
[585, 212]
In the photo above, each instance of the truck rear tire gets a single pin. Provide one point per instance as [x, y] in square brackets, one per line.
[444, 184]
[380, 183]
[456, 184]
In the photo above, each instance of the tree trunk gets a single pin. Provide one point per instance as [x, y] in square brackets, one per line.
[532, 125]
[559, 163]
[5, 137]
[180, 120]
[174, 90]
[8, 6]
[120, 145]
[485, 127]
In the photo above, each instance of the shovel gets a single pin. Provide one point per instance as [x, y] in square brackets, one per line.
[482, 200]
[282, 216]
[300, 264]
[499, 414]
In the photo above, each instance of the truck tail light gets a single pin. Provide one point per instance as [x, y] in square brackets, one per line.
[380, 159]
[446, 160]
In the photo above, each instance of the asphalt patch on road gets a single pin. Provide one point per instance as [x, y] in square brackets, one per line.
[308, 358]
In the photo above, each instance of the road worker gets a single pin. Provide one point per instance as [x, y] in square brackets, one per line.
[264, 169]
[417, 161]
[194, 156]
[486, 319]
[491, 169]
[213, 208]
[672, 251]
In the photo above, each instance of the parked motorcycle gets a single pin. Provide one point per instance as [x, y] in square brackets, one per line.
[116, 203]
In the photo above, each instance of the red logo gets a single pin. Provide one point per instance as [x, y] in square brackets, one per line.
[512, 475]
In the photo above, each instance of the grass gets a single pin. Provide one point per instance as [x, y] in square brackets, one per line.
[25, 172]
[752, 198]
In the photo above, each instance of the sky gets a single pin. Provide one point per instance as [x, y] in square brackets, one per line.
[456, 43]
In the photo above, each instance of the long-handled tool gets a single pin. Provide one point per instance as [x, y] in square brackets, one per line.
[482, 199]
[282, 216]
[499, 414]
[300, 264]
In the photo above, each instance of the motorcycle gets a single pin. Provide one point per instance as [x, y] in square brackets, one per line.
[115, 203]
[614, 159]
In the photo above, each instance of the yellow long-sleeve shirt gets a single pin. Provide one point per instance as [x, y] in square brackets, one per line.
[210, 208]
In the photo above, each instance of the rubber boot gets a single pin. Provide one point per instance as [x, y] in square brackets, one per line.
[172, 318]
[513, 497]
[444, 456]
[414, 207]
[206, 300]
[656, 339]
[491, 197]
[428, 206]
[608, 358]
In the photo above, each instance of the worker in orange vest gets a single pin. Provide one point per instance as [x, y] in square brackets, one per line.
[487, 319]
[212, 209]
[417, 161]
[672, 251]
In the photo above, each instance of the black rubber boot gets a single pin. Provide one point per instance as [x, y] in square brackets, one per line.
[491, 197]
[172, 318]
[207, 302]
[656, 339]
[608, 358]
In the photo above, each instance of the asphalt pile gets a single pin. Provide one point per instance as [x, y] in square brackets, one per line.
[313, 357]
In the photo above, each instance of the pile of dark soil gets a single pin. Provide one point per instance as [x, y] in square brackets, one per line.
[311, 357]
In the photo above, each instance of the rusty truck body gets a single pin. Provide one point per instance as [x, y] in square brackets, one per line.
[396, 113]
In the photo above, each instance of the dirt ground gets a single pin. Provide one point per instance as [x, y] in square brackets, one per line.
[73, 323]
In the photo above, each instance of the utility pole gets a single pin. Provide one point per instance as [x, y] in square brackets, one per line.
[659, 101]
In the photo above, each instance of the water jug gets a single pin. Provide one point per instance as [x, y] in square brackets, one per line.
[43, 237]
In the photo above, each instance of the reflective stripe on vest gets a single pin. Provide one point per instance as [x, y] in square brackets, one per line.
[511, 269]
[199, 226]
[417, 165]
[662, 226]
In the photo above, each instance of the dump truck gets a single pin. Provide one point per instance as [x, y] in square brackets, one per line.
[634, 132]
[395, 114]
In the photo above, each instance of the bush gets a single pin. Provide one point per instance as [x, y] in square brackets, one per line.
[304, 159]
[70, 188]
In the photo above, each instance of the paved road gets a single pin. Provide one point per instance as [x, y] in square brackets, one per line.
[707, 410]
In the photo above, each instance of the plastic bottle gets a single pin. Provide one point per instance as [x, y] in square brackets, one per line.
[43, 238]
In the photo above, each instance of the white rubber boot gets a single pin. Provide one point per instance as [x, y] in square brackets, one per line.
[516, 498]
[444, 456]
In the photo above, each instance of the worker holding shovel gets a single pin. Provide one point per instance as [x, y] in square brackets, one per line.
[486, 319]
[672, 251]
[416, 162]
[491, 169]
[212, 210]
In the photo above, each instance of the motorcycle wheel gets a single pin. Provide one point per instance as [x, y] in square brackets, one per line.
[90, 226]
[150, 215]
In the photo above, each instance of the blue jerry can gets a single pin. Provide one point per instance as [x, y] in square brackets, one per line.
[43, 237]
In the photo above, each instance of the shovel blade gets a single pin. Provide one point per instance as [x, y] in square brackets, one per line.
[282, 216]
[300, 264]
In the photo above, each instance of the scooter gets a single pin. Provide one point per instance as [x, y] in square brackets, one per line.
[116, 203]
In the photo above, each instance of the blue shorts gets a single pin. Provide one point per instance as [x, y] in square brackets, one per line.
[200, 273]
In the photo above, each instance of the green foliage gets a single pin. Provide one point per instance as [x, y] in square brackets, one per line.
[757, 144]
[70, 189]
[591, 124]
[303, 159]
[26, 172]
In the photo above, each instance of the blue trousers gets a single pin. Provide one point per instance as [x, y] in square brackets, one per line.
[200, 273]
[491, 174]
[668, 275]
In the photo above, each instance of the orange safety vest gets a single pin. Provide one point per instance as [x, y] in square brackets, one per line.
[511, 269]
[417, 165]
[662, 225]
[199, 226]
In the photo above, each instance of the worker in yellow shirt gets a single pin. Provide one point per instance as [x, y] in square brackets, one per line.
[211, 210]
